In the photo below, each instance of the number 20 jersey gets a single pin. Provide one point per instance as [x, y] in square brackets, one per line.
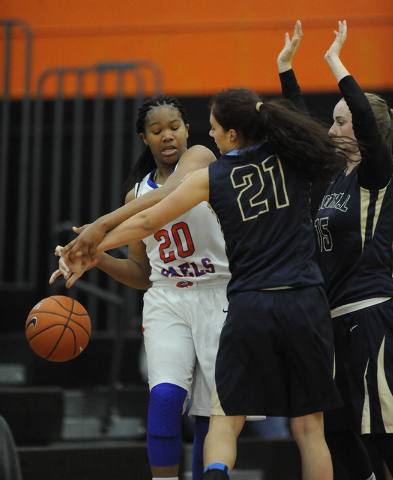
[189, 250]
[263, 208]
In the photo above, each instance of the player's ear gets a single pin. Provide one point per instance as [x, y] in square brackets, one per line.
[232, 135]
[187, 128]
[143, 137]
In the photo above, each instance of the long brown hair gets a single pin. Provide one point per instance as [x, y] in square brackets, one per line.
[291, 135]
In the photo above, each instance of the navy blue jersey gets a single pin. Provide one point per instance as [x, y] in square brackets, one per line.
[353, 226]
[355, 218]
[263, 208]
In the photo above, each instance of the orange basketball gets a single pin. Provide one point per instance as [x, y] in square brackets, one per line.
[58, 328]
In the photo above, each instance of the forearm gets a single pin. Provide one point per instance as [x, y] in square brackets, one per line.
[125, 271]
[291, 90]
[115, 218]
[130, 231]
[337, 67]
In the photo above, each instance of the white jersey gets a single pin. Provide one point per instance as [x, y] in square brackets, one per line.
[189, 250]
[181, 343]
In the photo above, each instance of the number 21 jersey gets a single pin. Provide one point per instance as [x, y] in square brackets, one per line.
[263, 207]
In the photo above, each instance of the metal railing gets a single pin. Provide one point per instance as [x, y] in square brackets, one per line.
[20, 156]
[74, 154]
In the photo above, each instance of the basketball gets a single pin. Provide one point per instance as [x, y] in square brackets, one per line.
[58, 328]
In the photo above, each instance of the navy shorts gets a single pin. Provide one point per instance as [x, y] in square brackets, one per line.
[276, 354]
[364, 370]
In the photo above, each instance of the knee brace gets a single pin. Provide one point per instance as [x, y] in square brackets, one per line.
[164, 439]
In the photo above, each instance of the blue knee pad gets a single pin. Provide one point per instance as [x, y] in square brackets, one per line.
[164, 439]
[200, 432]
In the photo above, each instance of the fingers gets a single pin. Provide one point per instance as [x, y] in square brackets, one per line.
[75, 244]
[74, 277]
[63, 268]
[83, 251]
[84, 255]
[298, 32]
[68, 247]
[54, 275]
[342, 30]
[77, 274]
[298, 28]
[71, 270]
[80, 229]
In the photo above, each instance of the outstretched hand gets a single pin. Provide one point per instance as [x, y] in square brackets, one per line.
[70, 270]
[284, 59]
[85, 245]
[340, 36]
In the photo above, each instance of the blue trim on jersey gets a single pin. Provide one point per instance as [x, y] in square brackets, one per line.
[150, 180]
[241, 151]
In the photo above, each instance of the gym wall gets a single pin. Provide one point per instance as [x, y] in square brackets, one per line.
[205, 46]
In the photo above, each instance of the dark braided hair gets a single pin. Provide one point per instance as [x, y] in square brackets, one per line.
[146, 163]
[291, 135]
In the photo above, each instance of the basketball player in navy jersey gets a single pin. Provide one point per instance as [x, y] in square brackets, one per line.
[276, 346]
[353, 227]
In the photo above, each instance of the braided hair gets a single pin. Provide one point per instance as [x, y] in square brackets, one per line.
[146, 163]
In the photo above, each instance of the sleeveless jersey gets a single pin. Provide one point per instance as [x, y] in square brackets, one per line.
[355, 218]
[263, 208]
[189, 250]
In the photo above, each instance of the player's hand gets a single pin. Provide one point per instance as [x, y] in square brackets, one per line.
[85, 245]
[336, 46]
[71, 271]
[284, 59]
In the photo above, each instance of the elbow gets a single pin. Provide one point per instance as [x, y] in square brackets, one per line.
[147, 225]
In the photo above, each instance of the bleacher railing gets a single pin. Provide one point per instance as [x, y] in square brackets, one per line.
[73, 154]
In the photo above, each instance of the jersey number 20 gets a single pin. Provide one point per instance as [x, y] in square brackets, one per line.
[181, 238]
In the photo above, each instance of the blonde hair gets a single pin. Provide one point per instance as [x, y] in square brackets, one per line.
[383, 115]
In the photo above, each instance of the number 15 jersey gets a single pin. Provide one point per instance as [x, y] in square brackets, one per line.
[189, 250]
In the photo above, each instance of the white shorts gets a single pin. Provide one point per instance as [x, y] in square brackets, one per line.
[182, 328]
